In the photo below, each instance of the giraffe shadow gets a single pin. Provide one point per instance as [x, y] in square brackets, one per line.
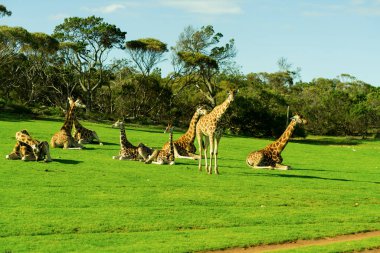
[107, 143]
[327, 141]
[66, 161]
[315, 177]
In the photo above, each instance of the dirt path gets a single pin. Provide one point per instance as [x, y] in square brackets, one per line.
[301, 243]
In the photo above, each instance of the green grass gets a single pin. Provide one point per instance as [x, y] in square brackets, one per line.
[86, 202]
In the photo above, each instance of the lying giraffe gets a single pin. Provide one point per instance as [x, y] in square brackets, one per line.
[83, 135]
[63, 138]
[184, 146]
[270, 156]
[164, 156]
[127, 150]
[16, 152]
[29, 149]
[209, 127]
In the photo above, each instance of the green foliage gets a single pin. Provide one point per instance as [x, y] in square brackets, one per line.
[335, 107]
[148, 44]
[195, 59]
[4, 11]
[146, 53]
[197, 55]
[90, 29]
[84, 201]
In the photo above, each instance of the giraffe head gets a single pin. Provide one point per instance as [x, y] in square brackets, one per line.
[169, 128]
[299, 119]
[231, 94]
[201, 111]
[119, 123]
[76, 103]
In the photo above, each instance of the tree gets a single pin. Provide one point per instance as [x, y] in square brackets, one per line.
[287, 67]
[4, 11]
[86, 43]
[198, 58]
[19, 54]
[146, 53]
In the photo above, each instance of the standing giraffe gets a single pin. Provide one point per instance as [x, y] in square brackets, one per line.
[209, 125]
[270, 156]
[83, 135]
[128, 151]
[184, 146]
[63, 138]
[164, 156]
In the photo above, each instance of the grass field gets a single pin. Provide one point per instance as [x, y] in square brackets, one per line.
[84, 201]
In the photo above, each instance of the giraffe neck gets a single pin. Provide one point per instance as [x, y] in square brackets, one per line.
[189, 136]
[68, 124]
[281, 142]
[171, 146]
[77, 125]
[218, 112]
[124, 143]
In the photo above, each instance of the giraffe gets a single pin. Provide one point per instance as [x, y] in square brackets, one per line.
[26, 147]
[270, 156]
[16, 152]
[184, 146]
[164, 156]
[209, 126]
[127, 150]
[83, 135]
[63, 138]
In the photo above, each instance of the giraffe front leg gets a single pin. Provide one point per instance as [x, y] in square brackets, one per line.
[206, 144]
[216, 146]
[282, 167]
[199, 139]
[212, 144]
[46, 151]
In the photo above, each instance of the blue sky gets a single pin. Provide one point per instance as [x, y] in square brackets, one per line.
[325, 38]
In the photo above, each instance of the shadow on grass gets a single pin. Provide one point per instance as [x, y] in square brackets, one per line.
[327, 141]
[66, 161]
[311, 177]
[106, 144]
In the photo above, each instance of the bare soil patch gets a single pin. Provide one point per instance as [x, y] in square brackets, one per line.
[302, 243]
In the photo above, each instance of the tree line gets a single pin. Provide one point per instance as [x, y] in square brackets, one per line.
[39, 71]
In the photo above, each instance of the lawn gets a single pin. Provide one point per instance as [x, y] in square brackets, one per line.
[84, 201]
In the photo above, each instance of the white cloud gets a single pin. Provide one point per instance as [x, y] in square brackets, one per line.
[106, 9]
[58, 16]
[213, 7]
[112, 8]
[367, 11]
[353, 7]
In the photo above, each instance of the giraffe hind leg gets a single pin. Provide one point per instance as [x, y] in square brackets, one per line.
[96, 137]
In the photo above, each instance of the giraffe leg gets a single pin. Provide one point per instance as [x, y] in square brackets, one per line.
[281, 167]
[46, 151]
[26, 155]
[97, 138]
[212, 145]
[206, 144]
[199, 139]
[216, 155]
